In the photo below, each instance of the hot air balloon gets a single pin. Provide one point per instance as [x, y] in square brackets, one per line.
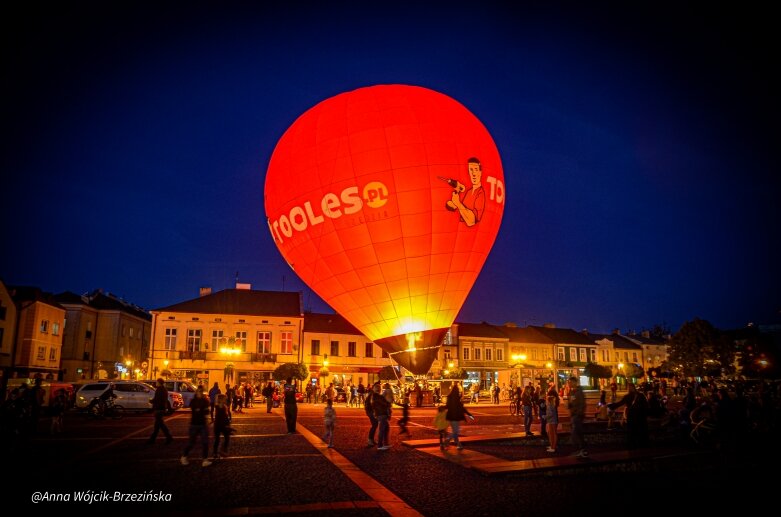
[386, 201]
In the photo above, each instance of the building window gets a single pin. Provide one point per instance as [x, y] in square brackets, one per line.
[573, 353]
[488, 354]
[626, 357]
[605, 356]
[217, 336]
[41, 353]
[447, 355]
[55, 329]
[351, 345]
[593, 353]
[44, 327]
[315, 347]
[500, 354]
[264, 342]
[131, 332]
[477, 354]
[618, 358]
[634, 357]
[287, 342]
[52, 354]
[369, 349]
[385, 354]
[335, 348]
[466, 354]
[582, 357]
[2, 312]
[194, 340]
[170, 339]
[241, 339]
[560, 353]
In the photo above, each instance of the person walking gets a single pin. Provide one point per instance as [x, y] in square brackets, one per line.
[213, 399]
[222, 420]
[456, 413]
[329, 421]
[159, 406]
[199, 407]
[577, 410]
[526, 404]
[552, 418]
[291, 409]
[368, 407]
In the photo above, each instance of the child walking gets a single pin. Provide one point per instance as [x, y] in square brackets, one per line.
[329, 419]
[440, 424]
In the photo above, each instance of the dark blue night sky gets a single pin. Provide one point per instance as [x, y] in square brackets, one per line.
[638, 143]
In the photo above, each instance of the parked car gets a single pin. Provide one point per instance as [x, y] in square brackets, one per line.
[131, 395]
[184, 388]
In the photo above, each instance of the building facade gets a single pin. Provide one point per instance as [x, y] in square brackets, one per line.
[37, 341]
[105, 337]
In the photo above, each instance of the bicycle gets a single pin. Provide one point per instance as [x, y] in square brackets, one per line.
[515, 407]
[105, 408]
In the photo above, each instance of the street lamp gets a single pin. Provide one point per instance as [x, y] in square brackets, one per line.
[128, 363]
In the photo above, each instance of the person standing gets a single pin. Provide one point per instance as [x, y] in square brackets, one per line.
[456, 413]
[368, 406]
[268, 393]
[440, 424]
[213, 399]
[291, 409]
[159, 406]
[552, 418]
[577, 410]
[636, 416]
[382, 411]
[329, 421]
[526, 404]
[199, 406]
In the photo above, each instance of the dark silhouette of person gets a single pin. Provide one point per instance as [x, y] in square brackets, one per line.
[159, 406]
[291, 408]
[636, 416]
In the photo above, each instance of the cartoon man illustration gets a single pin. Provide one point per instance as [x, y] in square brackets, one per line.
[470, 204]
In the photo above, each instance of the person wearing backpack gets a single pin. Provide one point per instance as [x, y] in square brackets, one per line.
[368, 406]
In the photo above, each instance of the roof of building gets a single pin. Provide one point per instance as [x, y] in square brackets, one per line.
[483, 329]
[564, 336]
[618, 340]
[27, 293]
[242, 301]
[329, 323]
[646, 340]
[526, 335]
[102, 302]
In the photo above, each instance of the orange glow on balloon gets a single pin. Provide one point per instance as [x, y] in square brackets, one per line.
[386, 201]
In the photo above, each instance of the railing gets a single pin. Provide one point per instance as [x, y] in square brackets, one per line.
[194, 356]
[263, 358]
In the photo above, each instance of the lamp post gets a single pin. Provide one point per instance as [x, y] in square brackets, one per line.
[128, 364]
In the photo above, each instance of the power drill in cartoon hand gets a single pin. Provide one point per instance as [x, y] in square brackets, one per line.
[458, 187]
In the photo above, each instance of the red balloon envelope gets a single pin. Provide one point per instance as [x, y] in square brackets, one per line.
[386, 201]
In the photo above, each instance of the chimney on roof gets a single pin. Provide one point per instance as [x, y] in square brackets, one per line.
[240, 285]
[647, 334]
[616, 331]
[205, 291]
[550, 325]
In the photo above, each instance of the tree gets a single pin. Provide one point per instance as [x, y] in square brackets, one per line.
[456, 373]
[633, 371]
[597, 371]
[700, 349]
[291, 370]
